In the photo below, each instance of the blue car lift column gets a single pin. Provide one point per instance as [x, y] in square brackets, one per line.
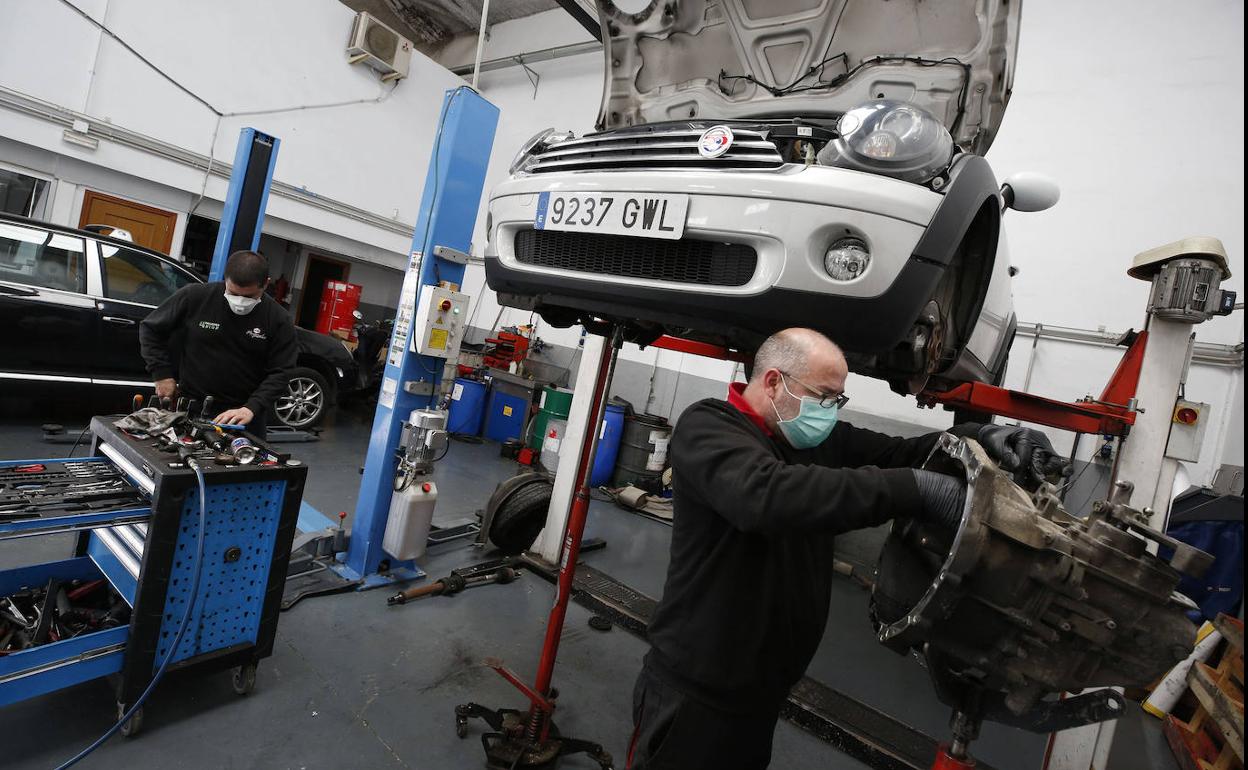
[448, 212]
[245, 201]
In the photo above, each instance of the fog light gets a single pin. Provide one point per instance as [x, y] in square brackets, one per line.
[847, 259]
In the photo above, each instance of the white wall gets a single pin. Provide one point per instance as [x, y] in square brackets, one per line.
[280, 58]
[1135, 107]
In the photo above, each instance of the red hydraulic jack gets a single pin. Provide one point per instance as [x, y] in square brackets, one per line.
[956, 755]
[530, 740]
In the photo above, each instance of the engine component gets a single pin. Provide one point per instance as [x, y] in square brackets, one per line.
[1185, 277]
[422, 440]
[1026, 600]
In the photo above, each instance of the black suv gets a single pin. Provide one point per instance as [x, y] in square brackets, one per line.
[70, 306]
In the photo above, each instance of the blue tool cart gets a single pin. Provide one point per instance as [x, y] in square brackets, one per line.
[136, 510]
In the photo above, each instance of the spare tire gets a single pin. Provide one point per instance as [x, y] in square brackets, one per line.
[518, 509]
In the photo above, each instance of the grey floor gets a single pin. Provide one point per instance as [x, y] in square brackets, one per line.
[353, 683]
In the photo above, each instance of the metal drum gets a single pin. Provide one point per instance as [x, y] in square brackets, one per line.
[643, 449]
[556, 403]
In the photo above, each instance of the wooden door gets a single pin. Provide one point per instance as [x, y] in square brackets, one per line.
[151, 227]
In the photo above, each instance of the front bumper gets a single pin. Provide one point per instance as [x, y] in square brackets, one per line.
[788, 217]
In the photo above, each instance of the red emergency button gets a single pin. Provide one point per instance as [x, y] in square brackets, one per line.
[1186, 415]
[427, 487]
[446, 305]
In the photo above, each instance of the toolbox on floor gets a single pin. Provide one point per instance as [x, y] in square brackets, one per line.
[136, 509]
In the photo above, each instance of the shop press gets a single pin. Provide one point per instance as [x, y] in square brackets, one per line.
[135, 503]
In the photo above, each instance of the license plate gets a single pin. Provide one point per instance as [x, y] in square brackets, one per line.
[650, 216]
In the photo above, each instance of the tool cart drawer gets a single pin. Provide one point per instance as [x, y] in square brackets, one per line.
[42, 497]
[57, 664]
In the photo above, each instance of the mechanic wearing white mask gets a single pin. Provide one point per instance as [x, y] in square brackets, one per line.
[226, 340]
[762, 483]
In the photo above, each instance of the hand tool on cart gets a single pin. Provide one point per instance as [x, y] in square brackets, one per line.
[499, 571]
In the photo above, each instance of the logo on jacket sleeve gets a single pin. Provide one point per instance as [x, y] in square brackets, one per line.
[256, 334]
[715, 141]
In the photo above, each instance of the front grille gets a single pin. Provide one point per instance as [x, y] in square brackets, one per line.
[655, 148]
[685, 261]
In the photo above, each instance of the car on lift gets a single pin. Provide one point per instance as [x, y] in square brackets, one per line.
[757, 166]
[71, 302]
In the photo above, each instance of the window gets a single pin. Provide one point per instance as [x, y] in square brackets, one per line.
[36, 257]
[23, 194]
[133, 276]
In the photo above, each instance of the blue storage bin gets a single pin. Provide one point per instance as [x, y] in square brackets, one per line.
[506, 415]
[467, 407]
[608, 445]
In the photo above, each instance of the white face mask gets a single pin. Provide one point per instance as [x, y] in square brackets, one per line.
[241, 305]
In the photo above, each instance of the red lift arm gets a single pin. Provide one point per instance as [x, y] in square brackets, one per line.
[1110, 415]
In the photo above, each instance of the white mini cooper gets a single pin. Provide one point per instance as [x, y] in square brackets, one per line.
[759, 165]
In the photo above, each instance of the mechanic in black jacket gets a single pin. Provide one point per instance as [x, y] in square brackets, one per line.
[761, 485]
[236, 343]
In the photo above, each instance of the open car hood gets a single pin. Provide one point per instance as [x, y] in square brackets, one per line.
[734, 59]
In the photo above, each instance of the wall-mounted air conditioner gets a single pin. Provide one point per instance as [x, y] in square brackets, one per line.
[378, 46]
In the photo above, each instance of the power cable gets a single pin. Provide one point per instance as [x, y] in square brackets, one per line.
[177, 639]
[78, 441]
[140, 56]
[921, 61]
[219, 113]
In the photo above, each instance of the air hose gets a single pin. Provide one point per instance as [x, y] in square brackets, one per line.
[177, 639]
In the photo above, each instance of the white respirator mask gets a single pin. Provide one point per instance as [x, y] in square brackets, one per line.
[241, 305]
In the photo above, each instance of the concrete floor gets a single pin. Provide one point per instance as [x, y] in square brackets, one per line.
[353, 683]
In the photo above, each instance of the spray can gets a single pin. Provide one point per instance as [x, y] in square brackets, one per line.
[243, 450]
[1174, 684]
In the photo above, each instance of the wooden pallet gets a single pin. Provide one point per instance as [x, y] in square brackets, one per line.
[1213, 738]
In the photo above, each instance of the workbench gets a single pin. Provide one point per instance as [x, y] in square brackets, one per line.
[137, 527]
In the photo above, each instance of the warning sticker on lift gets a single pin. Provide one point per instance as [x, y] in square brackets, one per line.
[437, 339]
[407, 307]
[389, 388]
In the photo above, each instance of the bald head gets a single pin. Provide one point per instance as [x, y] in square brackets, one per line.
[795, 351]
[790, 364]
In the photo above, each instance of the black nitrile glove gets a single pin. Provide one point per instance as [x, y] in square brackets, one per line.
[1024, 452]
[943, 498]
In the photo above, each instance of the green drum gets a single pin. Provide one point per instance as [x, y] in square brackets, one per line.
[555, 402]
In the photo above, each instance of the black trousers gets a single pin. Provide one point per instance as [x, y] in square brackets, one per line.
[673, 731]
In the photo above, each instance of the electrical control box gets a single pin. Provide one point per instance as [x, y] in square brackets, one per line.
[1187, 430]
[438, 328]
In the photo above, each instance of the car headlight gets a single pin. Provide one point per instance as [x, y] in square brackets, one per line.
[890, 137]
[847, 259]
[524, 159]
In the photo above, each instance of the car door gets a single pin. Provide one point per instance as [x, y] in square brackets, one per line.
[133, 283]
[47, 318]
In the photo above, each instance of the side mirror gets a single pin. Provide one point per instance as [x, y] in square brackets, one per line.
[1029, 191]
[357, 315]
